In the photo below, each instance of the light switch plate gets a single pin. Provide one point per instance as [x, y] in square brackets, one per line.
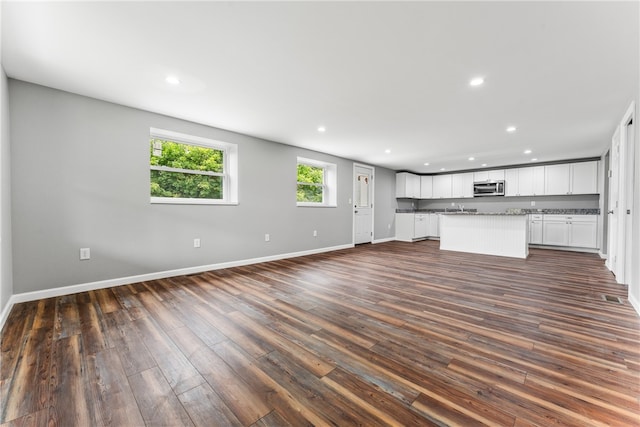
[85, 254]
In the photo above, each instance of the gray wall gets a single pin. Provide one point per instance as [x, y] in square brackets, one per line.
[6, 280]
[385, 204]
[80, 178]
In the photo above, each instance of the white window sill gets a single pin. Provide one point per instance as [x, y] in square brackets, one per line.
[314, 205]
[177, 201]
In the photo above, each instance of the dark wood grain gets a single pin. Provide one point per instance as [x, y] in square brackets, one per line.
[390, 334]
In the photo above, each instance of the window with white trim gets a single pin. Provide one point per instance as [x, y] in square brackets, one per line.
[191, 170]
[317, 183]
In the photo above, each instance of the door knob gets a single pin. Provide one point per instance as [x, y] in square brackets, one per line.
[610, 212]
[356, 211]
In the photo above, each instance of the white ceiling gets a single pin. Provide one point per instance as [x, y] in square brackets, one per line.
[378, 75]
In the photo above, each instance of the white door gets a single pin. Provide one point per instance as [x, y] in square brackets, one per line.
[613, 213]
[363, 204]
[627, 210]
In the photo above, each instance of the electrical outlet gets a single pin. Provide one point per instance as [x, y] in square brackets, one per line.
[315, 233]
[389, 226]
[196, 243]
[85, 254]
[533, 203]
[267, 237]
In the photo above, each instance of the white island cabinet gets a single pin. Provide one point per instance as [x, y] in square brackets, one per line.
[485, 233]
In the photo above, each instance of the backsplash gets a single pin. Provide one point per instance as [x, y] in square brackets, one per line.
[502, 204]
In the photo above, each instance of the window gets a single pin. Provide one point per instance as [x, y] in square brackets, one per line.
[191, 170]
[316, 183]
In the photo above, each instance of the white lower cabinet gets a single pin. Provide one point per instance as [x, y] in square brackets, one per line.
[555, 232]
[535, 229]
[420, 226]
[583, 234]
[434, 225]
[411, 226]
[415, 226]
[580, 231]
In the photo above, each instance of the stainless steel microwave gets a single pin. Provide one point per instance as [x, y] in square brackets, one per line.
[495, 188]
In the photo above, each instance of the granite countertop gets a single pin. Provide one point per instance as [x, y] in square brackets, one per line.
[562, 211]
[508, 212]
[431, 210]
[486, 213]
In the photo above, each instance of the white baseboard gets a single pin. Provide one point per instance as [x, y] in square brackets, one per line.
[5, 312]
[388, 239]
[564, 248]
[83, 287]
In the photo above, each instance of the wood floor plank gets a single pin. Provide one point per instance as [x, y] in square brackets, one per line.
[67, 321]
[247, 405]
[127, 341]
[31, 392]
[387, 334]
[286, 406]
[313, 393]
[157, 402]
[180, 374]
[111, 394]
[206, 408]
[13, 339]
[92, 328]
[69, 388]
[34, 419]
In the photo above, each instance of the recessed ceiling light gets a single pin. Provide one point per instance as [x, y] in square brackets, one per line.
[426, 164]
[534, 160]
[527, 151]
[387, 151]
[172, 80]
[471, 159]
[443, 169]
[484, 164]
[511, 129]
[321, 129]
[476, 81]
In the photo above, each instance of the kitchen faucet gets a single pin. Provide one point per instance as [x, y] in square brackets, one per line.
[461, 207]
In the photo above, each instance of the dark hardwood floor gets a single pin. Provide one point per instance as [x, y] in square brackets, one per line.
[388, 334]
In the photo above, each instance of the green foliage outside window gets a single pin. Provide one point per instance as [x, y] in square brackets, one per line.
[187, 182]
[310, 183]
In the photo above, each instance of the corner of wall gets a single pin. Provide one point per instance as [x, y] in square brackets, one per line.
[6, 260]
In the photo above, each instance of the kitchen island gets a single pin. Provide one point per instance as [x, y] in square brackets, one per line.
[502, 234]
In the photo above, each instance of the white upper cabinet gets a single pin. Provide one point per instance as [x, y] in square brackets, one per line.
[572, 178]
[462, 185]
[584, 178]
[538, 181]
[525, 181]
[511, 182]
[557, 179]
[560, 179]
[426, 187]
[407, 185]
[487, 176]
[442, 187]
